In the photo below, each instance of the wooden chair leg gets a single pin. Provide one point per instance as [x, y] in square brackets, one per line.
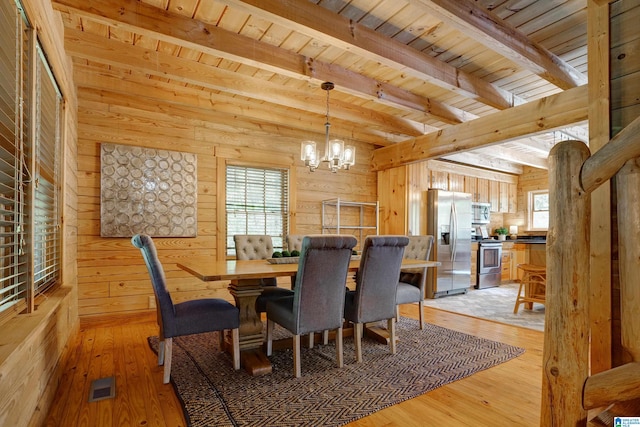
[339, 350]
[168, 344]
[357, 341]
[269, 337]
[161, 352]
[221, 337]
[297, 370]
[391, 326]
[325, 337]
[235, 339]
[421, 314]
[398, 313]
[311, 339]
[518, 297]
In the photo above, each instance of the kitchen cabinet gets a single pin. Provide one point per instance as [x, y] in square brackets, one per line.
[518, 256]
[456, 183]
[503, 195]
[506, 197]
[483, 190]
[506, 265]
[494, 196]
[512, 201]
[439, 180]
[471, 187]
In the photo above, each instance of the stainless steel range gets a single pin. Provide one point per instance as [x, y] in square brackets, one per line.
[489, 264]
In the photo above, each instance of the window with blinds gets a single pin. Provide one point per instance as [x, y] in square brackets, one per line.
[13, 124]
[45, 210]
[257, 203]
[30, 123]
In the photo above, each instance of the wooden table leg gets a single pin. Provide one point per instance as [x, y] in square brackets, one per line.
[253, 359]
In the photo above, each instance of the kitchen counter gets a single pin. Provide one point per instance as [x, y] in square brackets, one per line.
[530, 241]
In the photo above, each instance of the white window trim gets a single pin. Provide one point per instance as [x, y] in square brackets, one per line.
[530, 210]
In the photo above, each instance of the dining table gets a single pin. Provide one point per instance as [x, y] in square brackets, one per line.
[245, 278]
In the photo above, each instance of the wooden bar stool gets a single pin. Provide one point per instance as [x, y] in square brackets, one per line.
[532, 286]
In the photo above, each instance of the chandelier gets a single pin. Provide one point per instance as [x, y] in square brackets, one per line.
[336, 154]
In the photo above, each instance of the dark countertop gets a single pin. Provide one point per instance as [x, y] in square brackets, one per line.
[539, 240]
[533, 240]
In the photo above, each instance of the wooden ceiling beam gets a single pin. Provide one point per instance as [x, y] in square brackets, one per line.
[481, 161]
[515, 156]
[231, 110]
[336, 30]
[115, 53]
[498, 35]
[543, 115]
[158, 23]
[540, 145]
[393, 96]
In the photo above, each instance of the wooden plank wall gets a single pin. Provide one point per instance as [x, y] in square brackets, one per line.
[112, 277]
[625, 64]
[625, 107]
[34, 345]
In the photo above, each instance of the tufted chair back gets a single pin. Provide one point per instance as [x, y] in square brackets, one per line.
[375, 295]
[294, 242]
[317, 303]
[419, 247]
[253, 246]
[320, 283]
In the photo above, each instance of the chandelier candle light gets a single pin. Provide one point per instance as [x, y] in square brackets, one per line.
[336, 154]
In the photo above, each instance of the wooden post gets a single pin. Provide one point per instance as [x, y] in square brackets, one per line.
[566, 340]
[628, 188]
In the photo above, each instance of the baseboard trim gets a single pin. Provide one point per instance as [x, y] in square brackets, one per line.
[109, 320]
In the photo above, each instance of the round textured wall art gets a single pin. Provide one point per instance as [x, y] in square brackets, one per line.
[144, 190]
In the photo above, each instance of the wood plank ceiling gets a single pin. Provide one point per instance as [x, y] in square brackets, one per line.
[402, 68]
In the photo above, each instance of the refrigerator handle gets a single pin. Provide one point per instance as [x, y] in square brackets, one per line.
[453, 231]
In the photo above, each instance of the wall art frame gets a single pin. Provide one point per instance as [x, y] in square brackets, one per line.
[147, 190]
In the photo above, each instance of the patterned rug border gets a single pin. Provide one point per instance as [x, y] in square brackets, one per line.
[213, 394]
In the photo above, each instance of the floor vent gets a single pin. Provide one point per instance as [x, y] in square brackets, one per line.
[103, 388]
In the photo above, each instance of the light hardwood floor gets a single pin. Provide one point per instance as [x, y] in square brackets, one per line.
[505, 395]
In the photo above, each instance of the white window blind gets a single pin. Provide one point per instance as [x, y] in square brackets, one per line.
[257, 203]
[30, 159]
[46, 216]
[13, 261]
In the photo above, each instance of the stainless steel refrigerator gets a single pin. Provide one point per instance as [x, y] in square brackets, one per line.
[449, 221]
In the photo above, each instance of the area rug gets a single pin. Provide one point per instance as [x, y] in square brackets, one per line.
[493, 304]
[213, 394]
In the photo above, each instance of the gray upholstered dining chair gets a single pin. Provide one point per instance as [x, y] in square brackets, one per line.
[185, 318]
[294, 242]
[259, 246]
[318, 300]
[374, 297]
[411, 288]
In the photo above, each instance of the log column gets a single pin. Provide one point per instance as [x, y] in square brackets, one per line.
[566, 340]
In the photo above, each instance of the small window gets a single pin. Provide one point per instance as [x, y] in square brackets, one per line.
[257, 203]
[539, 210]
